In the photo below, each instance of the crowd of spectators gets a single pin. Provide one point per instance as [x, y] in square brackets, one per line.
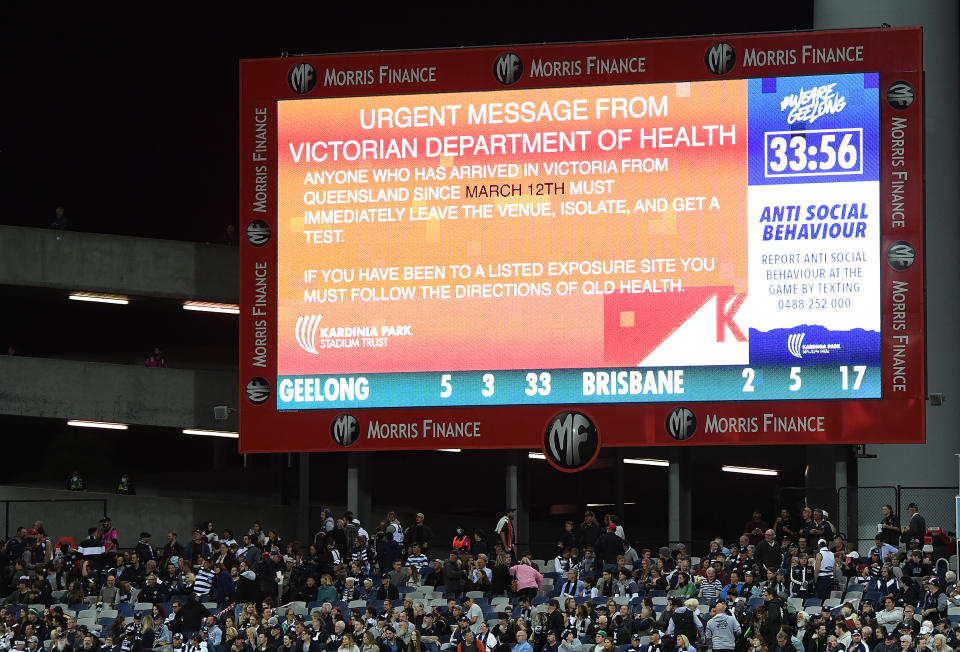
[793, 586]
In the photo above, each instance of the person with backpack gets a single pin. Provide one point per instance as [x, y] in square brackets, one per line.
[686, 620]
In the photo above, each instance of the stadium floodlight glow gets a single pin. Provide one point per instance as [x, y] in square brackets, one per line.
[100, 298]
[645, 461]
[748, 470]
[536, 456]
[209, 306]
[97, 424]
[448, 450]
[211, 433]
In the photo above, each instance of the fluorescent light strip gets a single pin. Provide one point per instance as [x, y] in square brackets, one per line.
[645, 461]
[99, 298]
[536, 456]
[97, 424]
[749, 470]
[206, 306]
[448, 450]
[211, 433]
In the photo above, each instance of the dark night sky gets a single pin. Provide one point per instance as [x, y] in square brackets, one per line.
[129, 118]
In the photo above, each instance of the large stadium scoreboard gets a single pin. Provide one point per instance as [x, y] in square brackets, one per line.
[574, 246]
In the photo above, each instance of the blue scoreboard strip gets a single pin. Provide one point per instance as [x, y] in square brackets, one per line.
[573, 386]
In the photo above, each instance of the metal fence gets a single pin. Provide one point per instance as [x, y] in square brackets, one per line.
[859, 508]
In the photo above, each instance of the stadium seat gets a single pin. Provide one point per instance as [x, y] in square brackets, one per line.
[657, 594]
[659, 600]
[812, 602]
[357, 604]
[755, 602]
[475, 594]
[143, 606]
[832, 602]
[813, 611]
[406, 589]
[797, 603]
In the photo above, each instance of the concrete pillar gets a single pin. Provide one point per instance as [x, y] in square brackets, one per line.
[358, 491]
[618, 481]
[514, 498]
[303, 503]
[678, 498]
[929, 464]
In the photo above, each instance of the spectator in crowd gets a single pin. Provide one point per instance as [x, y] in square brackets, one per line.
[916, 526]
[60, 219]
[588, 532]
[888, 527]
[504, 529]
[755, 528]
[419, 533]
[75, 482]
[125, 486]
[156, 359]
[769, 552]
[108, 535]
[528, 579]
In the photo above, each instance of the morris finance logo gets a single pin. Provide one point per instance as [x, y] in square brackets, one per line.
[508, 68]
[258, 390]
[307, 326]
[900, 95]
[345, 430]
[721, 58]
[795, 344]
[901, 255]
[302, 78]
[258, 233]
[681, 423]
[571, 441]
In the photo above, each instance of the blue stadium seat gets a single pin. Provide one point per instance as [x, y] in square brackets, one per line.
[406, 589]
[82, 606]
[657, 594]
[754, 602]
[555, 576]
[125, 609]
[315, 605]
[812, 602]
